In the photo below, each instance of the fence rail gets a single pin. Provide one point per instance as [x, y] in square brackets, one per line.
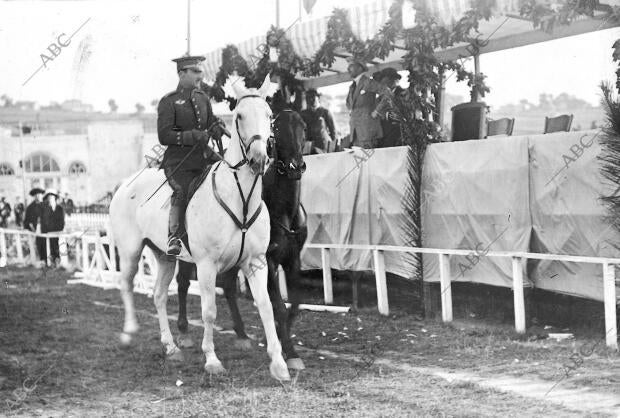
[445, 278]
[98, 267]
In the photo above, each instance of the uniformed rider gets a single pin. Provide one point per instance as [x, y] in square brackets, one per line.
[183, 118]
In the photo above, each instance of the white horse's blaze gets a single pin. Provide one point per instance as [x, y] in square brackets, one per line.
[214, 239]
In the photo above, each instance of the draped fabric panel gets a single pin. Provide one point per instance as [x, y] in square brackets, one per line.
[537, 193]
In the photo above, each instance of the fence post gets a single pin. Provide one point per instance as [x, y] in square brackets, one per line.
[382, 296]
[112, 253]
[47, 251]
[282, 284]
[328, 292]
[517, 290]
[609, 288]
[85, 262]
[445, 279]
[32, 257]
[64, 255]
[20, 250]
[3, 254]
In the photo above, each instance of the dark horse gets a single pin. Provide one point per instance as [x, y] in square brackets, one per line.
[281, 193]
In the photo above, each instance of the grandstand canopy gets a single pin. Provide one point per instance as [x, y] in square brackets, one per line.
[505, 30]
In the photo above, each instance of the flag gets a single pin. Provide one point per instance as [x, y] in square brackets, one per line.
[308, 5]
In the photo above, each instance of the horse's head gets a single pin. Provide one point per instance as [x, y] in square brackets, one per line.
[289, 132]
[252, 123]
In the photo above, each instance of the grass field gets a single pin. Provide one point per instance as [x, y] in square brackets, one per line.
[59, 356]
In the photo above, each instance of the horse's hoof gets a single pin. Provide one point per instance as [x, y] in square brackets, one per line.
[279, 370]
[244, 344]
[215, 368]
[125, 339]
[175, 355]
[184, 341]
[295, 364]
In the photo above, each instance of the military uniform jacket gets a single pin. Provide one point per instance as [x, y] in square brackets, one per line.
[177, 114]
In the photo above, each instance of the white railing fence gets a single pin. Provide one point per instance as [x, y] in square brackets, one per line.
[98, 268]
[607, 264]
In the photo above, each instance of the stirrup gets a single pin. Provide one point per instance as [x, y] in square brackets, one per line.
[175, 246]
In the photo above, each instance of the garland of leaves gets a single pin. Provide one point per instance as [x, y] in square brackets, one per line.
[417, 107]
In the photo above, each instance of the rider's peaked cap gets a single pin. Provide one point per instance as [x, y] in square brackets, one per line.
[187, 62]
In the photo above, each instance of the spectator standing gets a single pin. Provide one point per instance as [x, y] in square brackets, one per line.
[67, 205]
[361, 101]
[318, 121]
[32, 221]
[52, 220]
[392, 136]
[5, 212]
[18, 210]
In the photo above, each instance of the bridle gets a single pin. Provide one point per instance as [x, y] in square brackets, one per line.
[242, 142]
[244, 225]
[292, 169]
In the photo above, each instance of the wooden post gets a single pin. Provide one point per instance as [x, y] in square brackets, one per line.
[99, 254]
[20, 250]
[382, 296]
[328, 293]
[32, 257]
[64, 255]
[47, 251]
[3, 254]
[517, 290]
[446, 290]
[85, 263]
[112, 253]
[282, 284]
[609, 288]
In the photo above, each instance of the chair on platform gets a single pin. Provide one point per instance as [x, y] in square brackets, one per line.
[560, 123]
[502, 126]
[307, 149]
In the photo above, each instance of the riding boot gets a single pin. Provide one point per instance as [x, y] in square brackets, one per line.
[175, 229]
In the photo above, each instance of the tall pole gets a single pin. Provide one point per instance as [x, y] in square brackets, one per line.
[277, 13]
[23, 163]
[189, 2]
[300, 10]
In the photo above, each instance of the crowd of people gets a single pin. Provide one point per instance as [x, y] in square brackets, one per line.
[45, 213]
[370, 101]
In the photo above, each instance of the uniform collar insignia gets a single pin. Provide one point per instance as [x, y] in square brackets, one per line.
[180, 101]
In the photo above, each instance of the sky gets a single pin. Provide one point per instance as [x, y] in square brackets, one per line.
[123, 49]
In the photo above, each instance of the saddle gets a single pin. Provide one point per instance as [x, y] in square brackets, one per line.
[191, 191]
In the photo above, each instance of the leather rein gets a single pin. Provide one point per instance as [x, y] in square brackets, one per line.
[244, 225]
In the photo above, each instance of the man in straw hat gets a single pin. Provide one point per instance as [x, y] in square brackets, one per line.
[361, 101]
[183, 118]
[390, 125]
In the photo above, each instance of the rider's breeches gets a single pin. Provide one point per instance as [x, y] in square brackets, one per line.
[179, 181]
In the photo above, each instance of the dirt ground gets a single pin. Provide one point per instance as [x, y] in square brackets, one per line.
[59, 356]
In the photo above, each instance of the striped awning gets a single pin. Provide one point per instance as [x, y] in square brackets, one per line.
[366, 20]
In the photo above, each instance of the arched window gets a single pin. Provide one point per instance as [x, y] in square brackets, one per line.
[40, 163]
[77, 168]
[6, 169]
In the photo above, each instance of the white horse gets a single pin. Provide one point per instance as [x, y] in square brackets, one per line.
[220, 232]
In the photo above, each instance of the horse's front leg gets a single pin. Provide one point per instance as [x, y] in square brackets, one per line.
[206, 280]
[291, 270]
[281, 315]
[184, 275]
[256, 272]
[229, 283]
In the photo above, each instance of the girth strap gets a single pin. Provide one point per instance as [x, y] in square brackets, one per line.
[247, 223]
